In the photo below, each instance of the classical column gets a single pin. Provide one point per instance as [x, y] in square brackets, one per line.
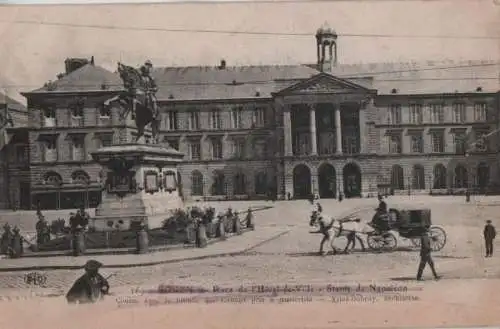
[338, 129]
[287, 131]
[312, 128]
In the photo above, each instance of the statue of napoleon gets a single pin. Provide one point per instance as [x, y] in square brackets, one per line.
[140, 98]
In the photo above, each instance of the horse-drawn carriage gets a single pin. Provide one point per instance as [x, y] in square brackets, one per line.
[410, 224]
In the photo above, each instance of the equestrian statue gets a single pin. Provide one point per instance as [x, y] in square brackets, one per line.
[139, 98]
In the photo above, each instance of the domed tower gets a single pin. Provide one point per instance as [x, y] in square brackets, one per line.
[326, 38]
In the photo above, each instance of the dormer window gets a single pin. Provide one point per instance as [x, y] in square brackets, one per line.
[105, 112]
[48, 117]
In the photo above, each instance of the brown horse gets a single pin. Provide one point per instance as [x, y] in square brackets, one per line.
[139, 99]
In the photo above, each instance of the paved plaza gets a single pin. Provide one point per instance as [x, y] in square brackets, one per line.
[281, 250]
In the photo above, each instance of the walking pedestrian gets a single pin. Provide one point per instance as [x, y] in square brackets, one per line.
[489, 235]
[425, 255]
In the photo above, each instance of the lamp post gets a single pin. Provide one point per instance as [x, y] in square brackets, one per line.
[431, 183]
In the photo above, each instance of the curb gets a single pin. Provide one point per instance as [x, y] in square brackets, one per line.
[168, 261]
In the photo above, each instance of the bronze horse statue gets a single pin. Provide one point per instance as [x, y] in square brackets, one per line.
[139, 98]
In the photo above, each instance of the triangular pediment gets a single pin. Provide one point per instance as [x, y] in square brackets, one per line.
[323, 83]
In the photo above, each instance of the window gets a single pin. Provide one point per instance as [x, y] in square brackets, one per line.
[437, 141]
[480, 112]
[77, 148]
[418, 177]
[53, 179]
[219, 183]
[261, 183]
[48, 117]
[49, 146]
[194, 150]
[172, 142]
[105, 111]
[417, 143]
[461, 180]
[481, 144]
[215, 120]
[170, 120]
[76, 111]
[394, 114]
[236, 114]
[397, 178]
[439, 177]
[259, 117]
[216, 148]
[196, 183]
[436, 113]
[80, 177]
[238, 148]
[239, 184]
[21, 156]
[260, 149]
[104, 139]
[459, 140]
[459, 113]
[194, 120]
[395, 143]
[416, 114]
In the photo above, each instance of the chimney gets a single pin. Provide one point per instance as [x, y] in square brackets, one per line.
[73, 64]
[222, 64]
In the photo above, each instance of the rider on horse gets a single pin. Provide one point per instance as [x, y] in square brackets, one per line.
[150, 87]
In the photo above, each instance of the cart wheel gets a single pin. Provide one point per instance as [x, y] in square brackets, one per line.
[415, 242]
[438, 238]
[375, 241]
[390, 241]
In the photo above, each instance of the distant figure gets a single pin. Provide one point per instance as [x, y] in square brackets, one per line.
[42, 230]
[382, 206]
[425, 255]
[489, 235]
[16, 243]
[90, 287]
[6, 239]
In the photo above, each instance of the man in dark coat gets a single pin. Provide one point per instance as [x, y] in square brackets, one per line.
[90, 287]
[425, 255]
[489, 235]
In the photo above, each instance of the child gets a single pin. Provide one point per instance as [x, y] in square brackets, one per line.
[489, 235]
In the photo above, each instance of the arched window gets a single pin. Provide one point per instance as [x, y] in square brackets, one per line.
[80, 177]
[439, 177]
[397, 178]
[261, 183]
[196, 183]
[483, 175]
[52, 178]
[418, 177]
[239, 185]
[461, 180]
[219, 183]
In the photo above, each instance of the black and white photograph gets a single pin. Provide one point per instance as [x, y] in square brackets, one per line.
[250, 164]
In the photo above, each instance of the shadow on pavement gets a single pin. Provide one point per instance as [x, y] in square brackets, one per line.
[450, 257]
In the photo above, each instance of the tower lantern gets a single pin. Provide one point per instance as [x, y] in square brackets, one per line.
[326, 42]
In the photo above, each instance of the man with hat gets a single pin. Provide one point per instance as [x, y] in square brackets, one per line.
[489, 235]
[90, 287]
[425, 255]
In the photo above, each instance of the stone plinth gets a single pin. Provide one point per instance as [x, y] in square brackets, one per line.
[142, 184]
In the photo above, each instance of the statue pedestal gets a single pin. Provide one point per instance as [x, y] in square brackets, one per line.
[142, 185]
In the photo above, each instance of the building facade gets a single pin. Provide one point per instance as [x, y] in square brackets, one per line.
[285, 131]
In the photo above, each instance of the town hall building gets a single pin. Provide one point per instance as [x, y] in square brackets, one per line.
[289, 131]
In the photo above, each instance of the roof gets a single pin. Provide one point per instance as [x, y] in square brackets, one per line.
[259, 82]
[18, 112]
[88, 78]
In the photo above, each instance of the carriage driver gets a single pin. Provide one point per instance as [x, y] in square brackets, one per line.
[380, 220]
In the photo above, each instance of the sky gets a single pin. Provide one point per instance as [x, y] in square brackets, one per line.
[36, 39]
